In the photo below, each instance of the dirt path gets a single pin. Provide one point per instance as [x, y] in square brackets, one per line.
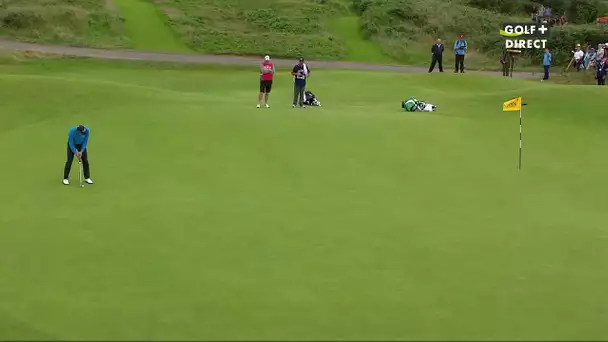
[211, 59]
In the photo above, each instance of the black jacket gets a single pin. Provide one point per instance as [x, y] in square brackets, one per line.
[437, 50]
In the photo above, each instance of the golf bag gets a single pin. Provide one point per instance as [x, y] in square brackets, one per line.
[310, 99]
[413, 105]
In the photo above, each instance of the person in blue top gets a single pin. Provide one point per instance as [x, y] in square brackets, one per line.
[78, 140]
[546, 63]
[460, 49]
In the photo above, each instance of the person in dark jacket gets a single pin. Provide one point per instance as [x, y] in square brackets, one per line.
[437, 55]
[505, 60]
[602, 71]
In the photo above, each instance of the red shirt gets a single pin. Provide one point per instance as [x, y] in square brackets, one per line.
[270, 67]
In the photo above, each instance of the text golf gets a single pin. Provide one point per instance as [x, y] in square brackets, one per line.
[523, 30]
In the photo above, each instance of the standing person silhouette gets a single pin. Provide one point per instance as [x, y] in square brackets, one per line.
[437, 55]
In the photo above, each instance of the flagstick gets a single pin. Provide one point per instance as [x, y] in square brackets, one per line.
[520, 136]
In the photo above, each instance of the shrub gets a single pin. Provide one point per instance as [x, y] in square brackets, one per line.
[585, 11]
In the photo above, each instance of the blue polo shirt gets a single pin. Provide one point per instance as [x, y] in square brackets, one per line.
[76, 138]
[547, 59]
[460, 46]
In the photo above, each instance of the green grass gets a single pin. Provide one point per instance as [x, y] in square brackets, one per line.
[74, 22]
[283, 29]
[211, 220]
[145, 25]
[357, 47]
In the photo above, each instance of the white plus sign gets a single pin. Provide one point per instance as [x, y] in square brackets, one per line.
[542, 29]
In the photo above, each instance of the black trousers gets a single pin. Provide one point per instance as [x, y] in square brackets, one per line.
[506, 65]
[85, 162]
[298, 94]
[601, 81]
[459, 63]
[546, 76]
[437, 59]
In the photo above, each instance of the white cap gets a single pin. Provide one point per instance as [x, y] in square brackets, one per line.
[266, 58]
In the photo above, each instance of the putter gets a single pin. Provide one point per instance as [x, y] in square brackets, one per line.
[80, 174]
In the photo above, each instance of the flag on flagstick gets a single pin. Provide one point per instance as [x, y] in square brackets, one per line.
[512, 105]
[515, 105]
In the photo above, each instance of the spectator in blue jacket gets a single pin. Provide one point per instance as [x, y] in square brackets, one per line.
[460, 49]
[547, 63]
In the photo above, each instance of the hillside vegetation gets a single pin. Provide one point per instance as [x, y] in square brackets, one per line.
[383, 31]
[76, 22]
[286, 28]
[400, 26]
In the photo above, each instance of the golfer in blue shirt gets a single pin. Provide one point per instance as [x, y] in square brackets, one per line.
[78, 139]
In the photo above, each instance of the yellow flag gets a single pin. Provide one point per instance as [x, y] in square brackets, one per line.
[512, 105]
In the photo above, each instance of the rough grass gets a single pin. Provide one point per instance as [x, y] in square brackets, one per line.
[285, 28]
[75, 22]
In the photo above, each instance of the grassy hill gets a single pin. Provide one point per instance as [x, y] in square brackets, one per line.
[94, 23]
[282, 28]
[385, 31]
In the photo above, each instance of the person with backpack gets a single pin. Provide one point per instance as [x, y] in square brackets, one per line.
[460, 49]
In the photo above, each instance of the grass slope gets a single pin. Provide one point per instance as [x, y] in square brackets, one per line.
[281, 28]
[357, 47]
[75, 22]
[146, 27]
[211, 220]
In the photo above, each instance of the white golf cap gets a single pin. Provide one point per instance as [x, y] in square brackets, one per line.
[266, 58]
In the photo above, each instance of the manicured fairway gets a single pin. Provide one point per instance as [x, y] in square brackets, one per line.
[213, 220]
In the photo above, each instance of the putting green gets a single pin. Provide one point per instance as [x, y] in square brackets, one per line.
[213, 220]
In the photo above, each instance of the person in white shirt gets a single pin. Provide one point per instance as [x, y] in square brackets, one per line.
[579, 57]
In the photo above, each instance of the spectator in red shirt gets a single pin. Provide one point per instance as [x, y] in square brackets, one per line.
[267, 71]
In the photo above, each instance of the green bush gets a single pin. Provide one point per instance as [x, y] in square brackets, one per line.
[502, 6]
[585, 11]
